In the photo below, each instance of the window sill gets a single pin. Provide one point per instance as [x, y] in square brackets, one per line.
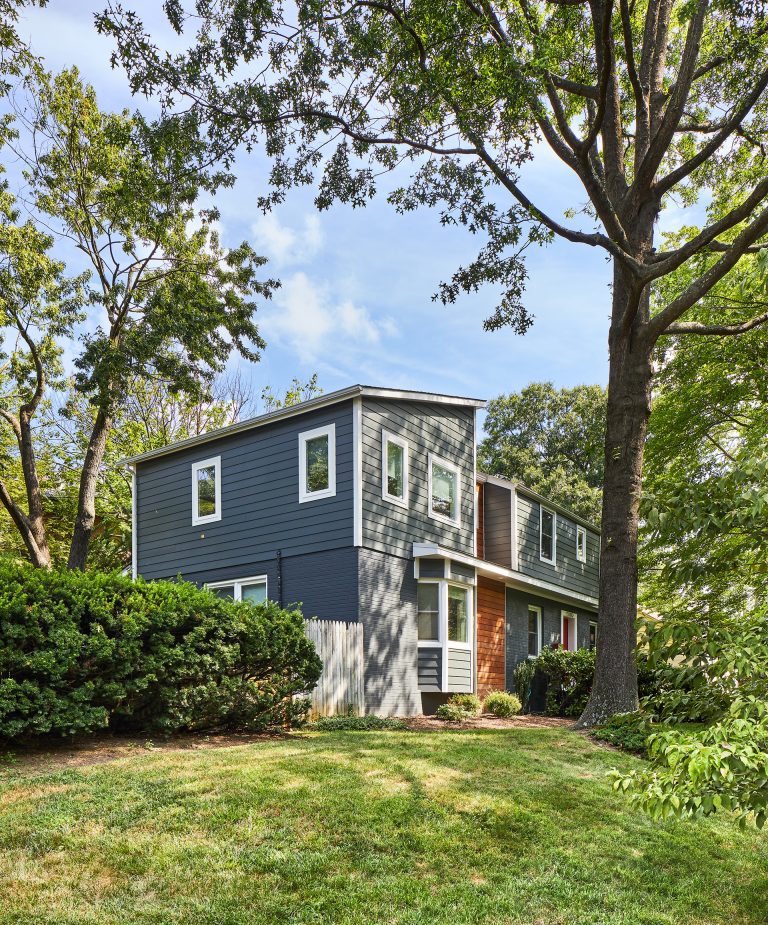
[399, 502]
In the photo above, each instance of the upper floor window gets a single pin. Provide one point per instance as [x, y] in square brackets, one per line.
[547, 540]
[394, 475]
[534, 631]
[253, 590]
[317, 463]
[581, 544]
[443, 490]
[206, 490]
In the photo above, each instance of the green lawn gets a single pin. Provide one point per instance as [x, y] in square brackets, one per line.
[454, 827]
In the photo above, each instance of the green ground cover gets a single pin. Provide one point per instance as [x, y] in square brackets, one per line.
[456, 827]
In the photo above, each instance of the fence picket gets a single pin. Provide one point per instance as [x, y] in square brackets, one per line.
[340, 647]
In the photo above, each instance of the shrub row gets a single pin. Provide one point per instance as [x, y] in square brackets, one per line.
[81, 652]
[465, 706]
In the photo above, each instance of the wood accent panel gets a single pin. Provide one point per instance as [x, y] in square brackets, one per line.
[490, 636]
[480, 531]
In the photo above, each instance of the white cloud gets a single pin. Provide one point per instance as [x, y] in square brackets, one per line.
[285, 245]
[306, 318]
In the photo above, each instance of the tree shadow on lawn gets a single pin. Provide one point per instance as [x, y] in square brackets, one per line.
[462, 827]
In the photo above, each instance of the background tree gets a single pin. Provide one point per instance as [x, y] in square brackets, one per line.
[647, 103]
[39, 307]
[167, 301]
[552, 440]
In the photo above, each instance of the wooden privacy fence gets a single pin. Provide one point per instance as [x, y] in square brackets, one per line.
[340, 689]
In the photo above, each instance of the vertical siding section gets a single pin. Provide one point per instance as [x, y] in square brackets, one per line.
[498, 524]
[444, 430]
[387, 593]
[480, 532]
[341, 687]
[261, 512]
[490, 636]
[568, 571]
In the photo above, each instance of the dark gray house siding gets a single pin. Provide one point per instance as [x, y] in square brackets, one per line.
[568, 571]
[517, 625]
[497, 522]
[261, 512]
[446, 431]
[387, 594]
[323, 583]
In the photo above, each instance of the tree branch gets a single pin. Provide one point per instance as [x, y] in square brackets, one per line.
[719, 330]
[701, 286]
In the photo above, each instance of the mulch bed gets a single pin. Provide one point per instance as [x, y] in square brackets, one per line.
[488, 721]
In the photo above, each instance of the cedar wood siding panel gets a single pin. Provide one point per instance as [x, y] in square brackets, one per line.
[387, 594]
[569, 572]
[498, 524]
[444, 430]
[261, 512]
[490, 636]
[517, 626]
[323, 583]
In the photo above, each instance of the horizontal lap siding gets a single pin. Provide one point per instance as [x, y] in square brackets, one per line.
[260, 501]
[459, 671]
[498, 524]
[490, 636]
[430, 670]
[581, 577]
[447, 432]
[387, 593]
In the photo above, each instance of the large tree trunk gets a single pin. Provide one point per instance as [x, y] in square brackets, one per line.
[86, 502]
[629, 407]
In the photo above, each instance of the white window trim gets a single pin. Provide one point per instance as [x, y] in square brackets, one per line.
[387, 437]
[451, 467]
[569, 615]
[237, 584]
[543, 558]
[581, 531]
[443, 642]
[328, 431]
[539, 629]
[214, 461]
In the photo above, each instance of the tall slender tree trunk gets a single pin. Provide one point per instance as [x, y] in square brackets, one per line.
[86, 503]
[629, 408]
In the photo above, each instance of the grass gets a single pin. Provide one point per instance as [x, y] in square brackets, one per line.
[350, 827]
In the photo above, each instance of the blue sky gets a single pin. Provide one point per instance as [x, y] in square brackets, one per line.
[355, 303]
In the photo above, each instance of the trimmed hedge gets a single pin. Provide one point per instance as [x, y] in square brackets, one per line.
[502, 704]
[80, 652]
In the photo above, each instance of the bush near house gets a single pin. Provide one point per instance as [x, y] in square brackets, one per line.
[502, 704]
[80, 652]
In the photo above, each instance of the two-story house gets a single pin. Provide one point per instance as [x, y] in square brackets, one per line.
[366, 505]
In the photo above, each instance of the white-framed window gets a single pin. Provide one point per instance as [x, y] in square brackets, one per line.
[534, 631]
[458, 615]
[394, 469]
[206, 491]
[581, 544]
[444, 479]
[592, 635]
[242, 589]
[317, 463]
[568, 629]
[547, 535]
[429, 611]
